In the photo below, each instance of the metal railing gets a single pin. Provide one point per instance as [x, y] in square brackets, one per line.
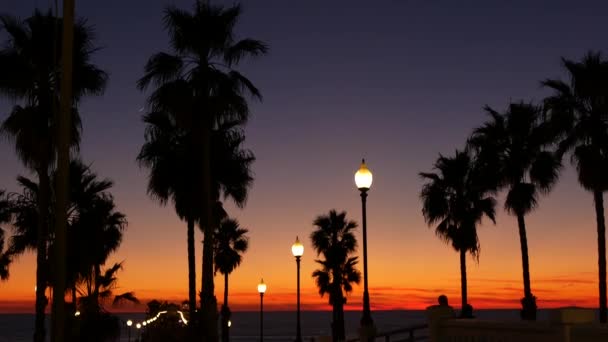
[418, 332]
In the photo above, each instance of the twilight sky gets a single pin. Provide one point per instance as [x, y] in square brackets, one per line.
[396, 82]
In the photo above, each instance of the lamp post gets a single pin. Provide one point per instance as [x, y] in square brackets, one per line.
[129, 324]
[297, 249]
[261, 290]
[138, 326]
[363, 180]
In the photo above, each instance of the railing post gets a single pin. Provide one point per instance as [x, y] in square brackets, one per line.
[412, 335]
[387, 338]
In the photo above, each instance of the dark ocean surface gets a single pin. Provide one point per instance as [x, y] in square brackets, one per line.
[278, 325]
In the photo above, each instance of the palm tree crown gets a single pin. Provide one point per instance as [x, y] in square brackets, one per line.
[456, 199]
[198, 77]
[230, 243]
[30, 70]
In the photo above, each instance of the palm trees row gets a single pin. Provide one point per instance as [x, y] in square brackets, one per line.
[196, 109]
[198, 101]
[520, 151]
[30, 71]
[95, 230]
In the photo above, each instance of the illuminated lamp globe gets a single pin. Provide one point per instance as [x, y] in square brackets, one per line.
[261, 287]
[297, 248]
[129, 323]
[363, 177]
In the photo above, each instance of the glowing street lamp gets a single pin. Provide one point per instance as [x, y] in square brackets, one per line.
[261, 290]
[138, 326]
[363, 180]
[297, 249]
[129, 324]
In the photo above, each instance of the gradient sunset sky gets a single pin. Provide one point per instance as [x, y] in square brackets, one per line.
[396, 82]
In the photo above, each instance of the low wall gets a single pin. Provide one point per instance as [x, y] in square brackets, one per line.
[473, 330]
[564, 325]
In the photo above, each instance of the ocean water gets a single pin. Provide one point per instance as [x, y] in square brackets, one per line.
[278, 326]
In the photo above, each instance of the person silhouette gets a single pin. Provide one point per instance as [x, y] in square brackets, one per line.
[443, 300]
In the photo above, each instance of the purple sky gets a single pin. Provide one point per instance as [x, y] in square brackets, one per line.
[395, 81]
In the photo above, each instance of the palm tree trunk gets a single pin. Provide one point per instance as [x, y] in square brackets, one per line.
[601, 251]
[63, 163]
[463, 277]
[334, 319]
[226, 289]
[225, 312]
[41, 252]
[191, 278]
[208, 300]
[528, 302]
[97, 276]
[339, 320]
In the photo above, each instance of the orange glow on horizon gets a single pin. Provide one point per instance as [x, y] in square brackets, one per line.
[382, 298]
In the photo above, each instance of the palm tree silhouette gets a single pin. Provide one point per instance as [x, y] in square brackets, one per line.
[169, 156]
[335, 240]
[456, 198]
[515, 144]
[29, 73]
[579, 110]
[230, 243]
[172, 177]
[95, 322]
[5, 217]
[197, 82]
[94, 226]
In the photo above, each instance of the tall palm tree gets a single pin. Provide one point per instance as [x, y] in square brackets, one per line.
[168, 154]
[516, 143]
[165, 153]
[334, 239]
[29, 74]
[231, 242]
[5, 216]
[197, 82]
[578, 108]
[456, 198]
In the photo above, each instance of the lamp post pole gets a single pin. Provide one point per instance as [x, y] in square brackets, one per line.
[138, 326]
[261, 290]
[367, 316]
[363, 180]
[297, 249]
[261, 316]
[298, 329]
[129, 324]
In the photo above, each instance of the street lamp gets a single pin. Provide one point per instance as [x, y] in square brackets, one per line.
[129, 324]
[138, 326]
[297, 249]
[363, 180]
[261, 290]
